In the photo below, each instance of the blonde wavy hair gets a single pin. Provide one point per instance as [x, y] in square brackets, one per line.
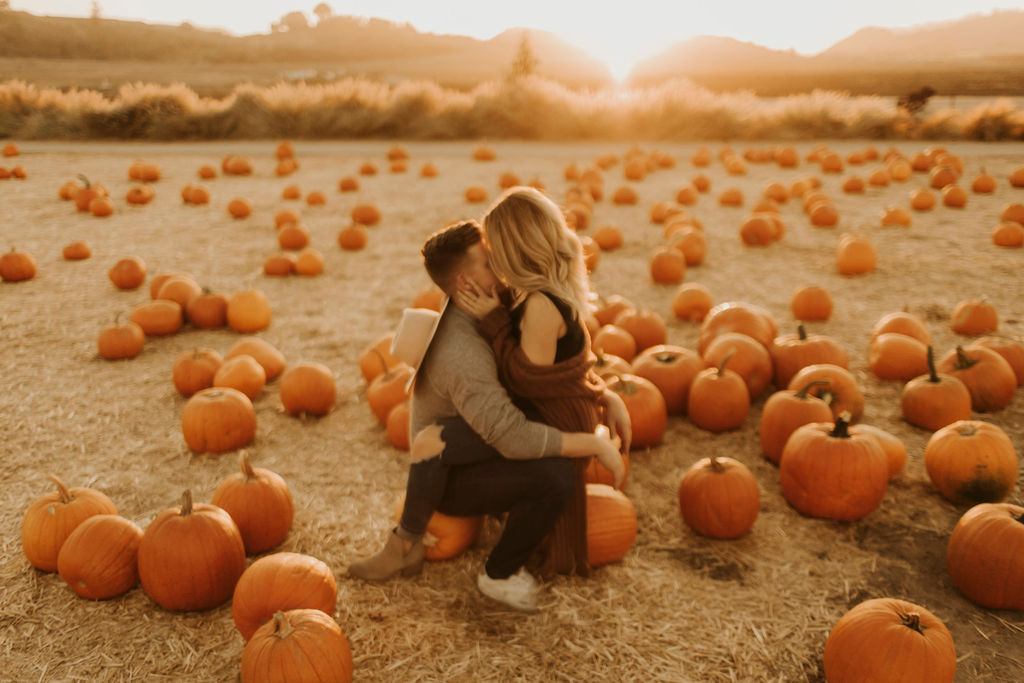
[532, 249]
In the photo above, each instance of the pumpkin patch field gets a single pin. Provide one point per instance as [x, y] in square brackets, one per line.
[829, 332]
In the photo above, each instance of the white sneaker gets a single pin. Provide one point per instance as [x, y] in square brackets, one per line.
[518, 591]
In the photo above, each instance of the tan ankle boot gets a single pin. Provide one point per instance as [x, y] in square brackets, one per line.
[389, 561]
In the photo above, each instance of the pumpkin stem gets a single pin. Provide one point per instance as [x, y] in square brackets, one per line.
[65, 495]
[247, 471]
[85, 180]
[721, 366]
[282, 627]
[186, 503]
[932, 375]
[912, 620]
[665, 357]
[716, 465]
[841, 428]
[963, 361]
[1019, 518]
[967, 429]
[801, 332]
[804, 393]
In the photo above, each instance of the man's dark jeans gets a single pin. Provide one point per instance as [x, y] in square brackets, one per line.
[470, 478]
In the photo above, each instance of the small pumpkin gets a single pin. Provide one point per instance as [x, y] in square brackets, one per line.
[309, 262]
[897, 357]
[249, 311]
[811, 303]
[612, 339]
[158, 281]
[719, 399]
[278, 265]
[1012, 351]
[376, 358]
[784, 412]
[191, 557]
[609, 309]
[792, 352]
[207, 310]
[158, 317]
[101, 207]
[304, 642]
[855, 254]
[76, 251]
[291, 192]
[293, 236]
[611, 525]
[51, 518]
[278, 583]
[180, 290]
[308, 388]
[971, 462]
[671, 369]
[828, 472]
[842, 393]
[646, 408]
[194, 370]
[985, 555]
[749, 360]
[737, 316]
[120, 341]
[902, 322]
[646, 327]
[243, 373]
[388, 390]
[99, 558]
[894, 449]
[719, 498]
[366, 214]
[667, 266]
[240, 207]
[265, 353]
[691, 302]
[1008, 234]
[986, 374]
[353, 237]
[128, 273]
[397, 426]
[886, 639]
[446, 536]
[260, 504]
[973, 317]
[218, 419]
[932, 401]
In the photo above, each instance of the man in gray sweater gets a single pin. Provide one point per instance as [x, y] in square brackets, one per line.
[475, 449]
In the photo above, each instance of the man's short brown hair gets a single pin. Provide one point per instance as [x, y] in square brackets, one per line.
[445, 251]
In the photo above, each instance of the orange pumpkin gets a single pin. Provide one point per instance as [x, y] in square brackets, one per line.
[902, 322]
[266, 354]
[973, 317]
[671, 369]
[719, 498]
[737, 316]
[1010, 349]
[207, 310]
[388, 390]
[239, 207]
[886, 639]
[51, 518]
[158, 281]
[611, 525]
[971, 462]
[281, 582]
[309, 262]
[811, 302]
[792, 352]
[259, 503]
[855, 254]
[353, 237]
[366, 214]
[1008, 234]
[76, 251]
[646, 408]
[181, 290]
[243, 373]
[897, 357]
[120, 341]
[828, 472]
[985, 555]
[303, 642]
[376, 358]
[191, 557]
[446, 536]
[691, 302]
[841, 393]
[278, 265]
[194, 370]
[99, 558]
[249, 311]
[894, 449]
[932, 401]
[749, 360]
[614, 340]
[646, 327]
[987, 375]
[128, 273]
[158, 317]
[307, 388]
[397, 426]
[784, 412]
[719, 399]
[218, 419]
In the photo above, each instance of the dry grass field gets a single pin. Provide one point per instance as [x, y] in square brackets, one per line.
[678, 607]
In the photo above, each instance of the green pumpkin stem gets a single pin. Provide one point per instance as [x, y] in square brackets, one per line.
[186, 503]
[282, 627]
[841, 429]
[65, 494]
[805, 392]
[248, 473]
[912, 620]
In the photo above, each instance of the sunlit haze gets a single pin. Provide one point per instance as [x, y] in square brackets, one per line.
[618, 35]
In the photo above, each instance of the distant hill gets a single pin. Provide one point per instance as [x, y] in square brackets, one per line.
[979, 54]
[338, 45]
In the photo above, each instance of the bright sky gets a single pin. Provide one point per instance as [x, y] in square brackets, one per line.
[618, 34]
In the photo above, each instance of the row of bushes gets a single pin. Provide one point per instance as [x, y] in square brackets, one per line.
[531, 108]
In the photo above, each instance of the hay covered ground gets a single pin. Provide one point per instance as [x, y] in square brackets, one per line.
[677, 608]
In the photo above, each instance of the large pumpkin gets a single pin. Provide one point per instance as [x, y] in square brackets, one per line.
[718, 497]
[50, 519]
[260, 504]
[971, 462]
[985, 555]
[298, 645]
[218, 419]
[99, 559]
[826, 471]
[308, 388]
[611, 524]
[191, 557]
[278, 583]
[987, 375]
[886, 639]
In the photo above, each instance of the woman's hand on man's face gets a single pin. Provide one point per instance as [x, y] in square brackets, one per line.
[475, 300]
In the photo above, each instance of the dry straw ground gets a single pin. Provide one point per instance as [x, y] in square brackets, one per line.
[677, 608]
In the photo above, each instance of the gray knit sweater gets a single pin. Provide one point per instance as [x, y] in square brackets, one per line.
[459, 376]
